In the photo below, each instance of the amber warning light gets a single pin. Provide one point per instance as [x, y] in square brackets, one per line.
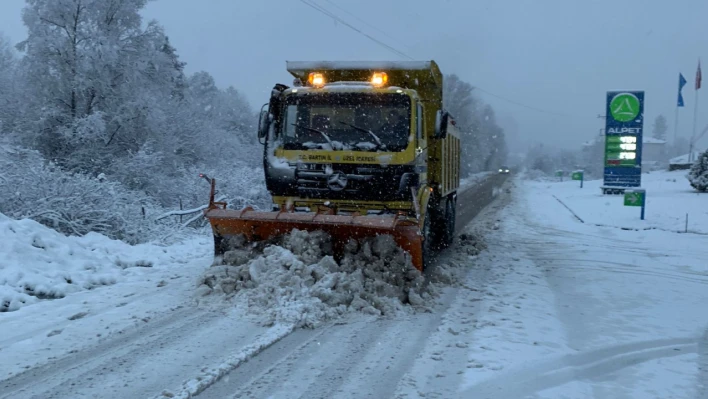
[379, 78]
[316, 79]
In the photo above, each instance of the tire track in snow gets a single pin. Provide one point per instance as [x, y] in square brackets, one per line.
[93, 312]
[702, 380]
[141, 362]
[47, 377]
[625, 268]
[440, 368]
[365, 357]
[580, 366]
[210, 376]
[261, 371]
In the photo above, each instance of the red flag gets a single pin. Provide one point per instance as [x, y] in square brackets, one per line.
[698, 76]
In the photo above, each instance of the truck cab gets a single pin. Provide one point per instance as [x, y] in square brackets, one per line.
[354, 136]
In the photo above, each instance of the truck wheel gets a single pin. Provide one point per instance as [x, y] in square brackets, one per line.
[449, 228]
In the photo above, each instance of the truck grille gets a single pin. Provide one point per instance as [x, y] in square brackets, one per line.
[344, 181]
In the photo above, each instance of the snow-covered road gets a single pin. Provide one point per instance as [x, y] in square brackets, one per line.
[552, 308]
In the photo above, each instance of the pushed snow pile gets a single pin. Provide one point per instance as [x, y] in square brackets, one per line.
[39, 263]
[298, 281]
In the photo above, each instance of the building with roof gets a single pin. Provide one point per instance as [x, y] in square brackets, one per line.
[682, 162]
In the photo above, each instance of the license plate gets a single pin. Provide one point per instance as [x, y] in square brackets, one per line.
[317, 167]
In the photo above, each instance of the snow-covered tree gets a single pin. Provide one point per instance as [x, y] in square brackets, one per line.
[8, 99]
[698, 175]
[660, 128]
[94, 75]
[484, 145]
[492, 140]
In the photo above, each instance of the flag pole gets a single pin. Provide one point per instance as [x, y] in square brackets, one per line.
[679, 104]
[695, 111]
[693, 134]
[676, 124]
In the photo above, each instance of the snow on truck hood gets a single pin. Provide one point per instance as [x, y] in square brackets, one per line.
[344, 87]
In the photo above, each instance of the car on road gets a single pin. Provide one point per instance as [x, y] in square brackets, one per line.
[504, 169]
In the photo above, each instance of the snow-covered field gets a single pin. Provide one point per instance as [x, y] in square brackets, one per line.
[670, 198]
[551, 308]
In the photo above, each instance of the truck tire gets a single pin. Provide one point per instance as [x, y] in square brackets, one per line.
[448, 233]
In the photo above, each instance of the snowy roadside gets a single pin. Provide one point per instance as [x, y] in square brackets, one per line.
[670, 199]
[61, 294]
[588, 311]
[38, 263]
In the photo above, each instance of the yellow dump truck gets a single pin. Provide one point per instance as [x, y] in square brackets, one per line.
[355, 149]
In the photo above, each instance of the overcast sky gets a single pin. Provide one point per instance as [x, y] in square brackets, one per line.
[560, 56]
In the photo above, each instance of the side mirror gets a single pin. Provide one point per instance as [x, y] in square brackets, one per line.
[441, 120]
[263, 124]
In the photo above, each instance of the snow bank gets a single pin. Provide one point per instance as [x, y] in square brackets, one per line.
[39, 263]
[298, 281]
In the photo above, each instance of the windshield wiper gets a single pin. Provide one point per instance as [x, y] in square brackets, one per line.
[316, 131]
[379, 144]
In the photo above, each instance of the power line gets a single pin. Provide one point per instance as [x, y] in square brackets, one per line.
[314, 5]
[524, 105]
[364, 22]
[345, 23]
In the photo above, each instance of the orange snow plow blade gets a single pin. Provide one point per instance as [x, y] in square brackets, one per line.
[259, 226]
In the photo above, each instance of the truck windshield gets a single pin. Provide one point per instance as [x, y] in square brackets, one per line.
[347, 121]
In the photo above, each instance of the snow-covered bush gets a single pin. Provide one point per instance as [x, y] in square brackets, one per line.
[74, 204]
[698, 176]
[104, 94]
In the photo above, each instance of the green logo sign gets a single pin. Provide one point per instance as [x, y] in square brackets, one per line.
[577, 176]
[633, 198]
[624, 107]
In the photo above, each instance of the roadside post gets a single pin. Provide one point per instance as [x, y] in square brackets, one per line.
[578, 175]
[636, 197]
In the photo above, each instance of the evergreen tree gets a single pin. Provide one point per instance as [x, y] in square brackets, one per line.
[95, 78]
[8, 97]
[698, 176]
[660, 128]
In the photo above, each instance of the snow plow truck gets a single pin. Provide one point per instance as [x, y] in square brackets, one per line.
[354, 149]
